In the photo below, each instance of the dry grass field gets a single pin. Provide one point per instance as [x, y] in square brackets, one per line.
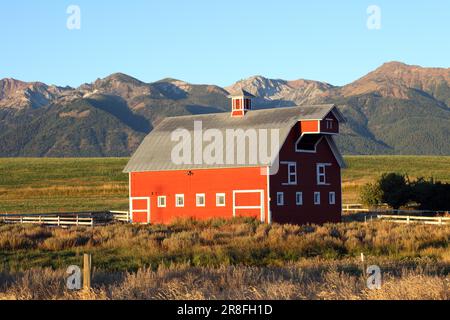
[236, 259]
[217, 259]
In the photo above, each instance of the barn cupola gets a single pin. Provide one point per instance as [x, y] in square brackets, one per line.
[241, 102]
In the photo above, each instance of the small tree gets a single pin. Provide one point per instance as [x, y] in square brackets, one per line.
[390, 188]
[431, 195]
[371, 195]
[395, 188]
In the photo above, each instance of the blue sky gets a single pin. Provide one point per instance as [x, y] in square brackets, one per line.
[220, 42]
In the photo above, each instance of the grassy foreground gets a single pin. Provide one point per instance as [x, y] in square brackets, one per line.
[49, 185]
[235, 259]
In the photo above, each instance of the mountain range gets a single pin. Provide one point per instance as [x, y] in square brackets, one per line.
[396, 109]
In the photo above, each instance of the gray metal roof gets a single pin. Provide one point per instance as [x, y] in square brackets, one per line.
[240, 93]
[155, 152]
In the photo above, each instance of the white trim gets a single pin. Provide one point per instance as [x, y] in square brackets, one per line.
[146, 210]
[335, 151]
[330, 194]
[324, 174]
[261, 206]
[129, 196]
[269, 212]
[340, 186]
[314, 200]
[297, 194]
[224, 200]
[289, 174]
[176, 200]
[159, 203]
[280, 203]
[338, 115]
[197, 198]
[315, 146]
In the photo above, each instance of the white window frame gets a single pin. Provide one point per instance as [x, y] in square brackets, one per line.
[297, 149]
[224, 200]
[332, 198]
[260, 206]
[292, 176]
[316, 198]
[329, 123]
[159, 201]
[176, 200]
[200, 195]
[324, 174]
[299, 198]
[280, 203]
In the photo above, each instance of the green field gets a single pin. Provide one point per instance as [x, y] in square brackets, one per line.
[49, 185]
[188, 259]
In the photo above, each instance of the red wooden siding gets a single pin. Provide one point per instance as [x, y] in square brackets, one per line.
[329, 124]
[204, 181]
[309, 126]
[290, 212]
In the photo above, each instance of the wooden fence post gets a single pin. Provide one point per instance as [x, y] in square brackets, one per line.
[87, 264]
[363, 264]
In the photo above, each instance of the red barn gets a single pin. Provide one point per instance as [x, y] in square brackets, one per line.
[207, 166]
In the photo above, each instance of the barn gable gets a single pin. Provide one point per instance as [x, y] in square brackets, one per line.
[155, 152]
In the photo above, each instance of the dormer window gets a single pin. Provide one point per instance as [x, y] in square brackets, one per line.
[329, 124]
[237, 104]
[247, 104]
[308, 143]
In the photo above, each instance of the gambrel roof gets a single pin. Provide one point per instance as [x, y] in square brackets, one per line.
[155, 152]
[240, 93]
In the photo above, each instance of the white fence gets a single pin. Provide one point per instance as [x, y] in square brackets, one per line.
[46, 220]
[123, 216]
[355, 208]
[67, 219]
[415, 219]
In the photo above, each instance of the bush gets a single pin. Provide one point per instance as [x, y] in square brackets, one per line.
[396, 190]
[390, 188]
[431, 195]
[371, 195]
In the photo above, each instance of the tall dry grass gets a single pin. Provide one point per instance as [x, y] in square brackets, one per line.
[227, 259]
[227, 282]
[221, 242]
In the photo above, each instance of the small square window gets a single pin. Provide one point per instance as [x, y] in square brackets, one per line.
[332, 197]
[299, 198]
[316, 198]
[280, 198]
[200, 200]
[179, 200]
[220, 199]
[161, 201]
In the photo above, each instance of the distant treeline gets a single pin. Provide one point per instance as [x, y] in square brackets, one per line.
[397, 190]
